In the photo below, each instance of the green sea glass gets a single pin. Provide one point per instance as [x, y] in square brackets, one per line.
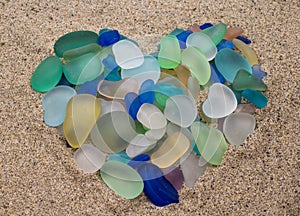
[74, 40]
[210, 142]
[47, 74]
[122, 179]
[216, 32]
[74, 53]
[83, 68]
[244, 80]
[197, 63]
[169, 53]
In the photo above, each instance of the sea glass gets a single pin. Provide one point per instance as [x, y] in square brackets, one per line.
[233, 32]
[197, 63]
[210, 142]
[89, 87]
[237, 126]
[47, 74]
[74, 53]
[244, 80]
[55, 103]
[146, 92]
[245, 108]
[74, 40]
[155, 134]
[258, 72]
[109, 37]
[81, 114]
[216, 32]
[111, 106]
[183, 74]
[119, 156]
[246, 51]
[255, 97]
[151, 117]
[138, 145]
[133, 104]
[229, 62]
[174, 175]
[193, 88]
[122, 179]
[169, 53]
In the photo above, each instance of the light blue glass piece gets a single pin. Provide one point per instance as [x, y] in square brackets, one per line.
[90, 87]
[168, 89]
[225, 44]
[255, 97]
[215, 75]
[120, 156]
[229, 62]
[258, 72]
[146, 93]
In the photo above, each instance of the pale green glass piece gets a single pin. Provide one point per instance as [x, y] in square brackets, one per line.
[244, 80]
[47, 74]
[76, 52]
[197, 63]
[74, 40]
[139, 144]
[169, 53]
[216, 32]
[210, 142]
[83, 68]
[122, 179]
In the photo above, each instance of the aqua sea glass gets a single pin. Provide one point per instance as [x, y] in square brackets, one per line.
[244, 80]
[74, 40]
[169, 53]
[216, 32]
[119, 156]
[74, 53]
[255, 97]
[47, 74]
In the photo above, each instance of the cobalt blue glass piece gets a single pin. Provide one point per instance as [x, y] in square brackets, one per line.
[139, 160]
[258, 72]
[168, 89]
[156, 187]
[205, 25]
[183, 35]
[90, 87]
[215, 75]
[104, 30]
[176, 31]
[225, 44]
[244, 39]
[255, 97]
[63, 81]
[120, 156]
[146, 93]
[133, 104]
[108, 38]
[238, 94]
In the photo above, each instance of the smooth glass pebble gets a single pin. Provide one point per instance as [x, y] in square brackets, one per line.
[146, 93]
[246, 108]
[194, 28]
[139, 160]
[156, 187]
[233, 32]
[118, 89]
[225, 44]
[113, 132]
[210, 142]
[148, 70]
[258, 72]
[181, 110]
[111, 106]
[138, 145]
[110, 62]
[216, 32]
[172, 80]
[237, 127]
[204, 43]
[238, 94]
[215, 75]
[244, 39]
[164, 71]
[47, 74]
[81, 114]
[244, 80]
[197, 63]
[155, 134]
[169, 53]
[183, 74]
[191, 169]
[151, 117]
[255, 97]
[88, 158]
[74, 53]
[122, 179]
[111, 75]
[174, 175]
[63, 81]
[246, 51]
[90, 87]
[74, 40]
[182, 37]
[205, 26]
[176, 31]
[119, 156]
[133, 104]
[221, 101]
[229, 62]
[108, 38]
[220, 124]
[83, 68]
[55, 103]
[171, 150]
[173, 128]
[193, 88]
[127, 54]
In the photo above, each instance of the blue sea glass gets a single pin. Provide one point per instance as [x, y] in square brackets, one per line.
[168, 89]
[205, 25]
[108, 37]
[225, 44]
[176, 31]
[258, 72]
[146, 93]
[90, 87]
[244, 39]
[133, 104]
[139, 160]
[182, 38]
[63, 81]
[215, 75]
[255, 97]
[156, 187]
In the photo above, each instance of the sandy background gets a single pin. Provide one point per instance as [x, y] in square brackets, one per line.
[37, 173]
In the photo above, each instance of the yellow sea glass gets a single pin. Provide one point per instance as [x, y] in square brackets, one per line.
[171, 150]
[246, 51]
[81, 115]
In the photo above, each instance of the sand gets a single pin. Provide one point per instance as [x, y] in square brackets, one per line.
[37, 173]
